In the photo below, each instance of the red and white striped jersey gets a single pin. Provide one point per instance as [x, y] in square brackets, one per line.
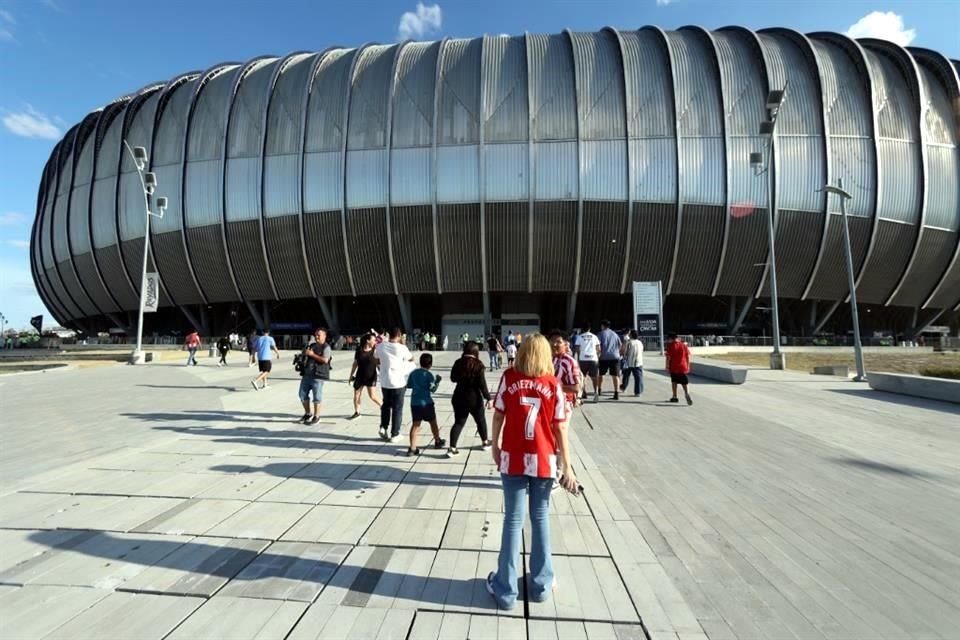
[530, 406]
[567, 370]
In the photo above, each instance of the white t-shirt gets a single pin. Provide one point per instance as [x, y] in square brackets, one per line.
[588, 347]
[396, 363]
[511, 350]
[634, 353]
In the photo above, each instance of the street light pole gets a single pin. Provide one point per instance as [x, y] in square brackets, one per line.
[765, 165]
[148, 182]
[857, 345]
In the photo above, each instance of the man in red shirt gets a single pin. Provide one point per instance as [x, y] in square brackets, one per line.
[678, 364]
[565, 368]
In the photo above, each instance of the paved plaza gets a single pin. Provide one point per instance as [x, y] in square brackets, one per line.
[165, 502]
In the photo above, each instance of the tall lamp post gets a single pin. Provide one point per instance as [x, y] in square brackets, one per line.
[3, 331]
[148, 181]
[761, 166]
[857, 346]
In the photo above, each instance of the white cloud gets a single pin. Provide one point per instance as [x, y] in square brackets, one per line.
[31, 124]
[19, 244]
[52, 4]
[12, 219]
[6, 16]
[425, 20]
[6, 21]
[885, 25]
[663, 3]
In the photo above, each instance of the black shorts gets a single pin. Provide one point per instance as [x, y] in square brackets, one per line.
[360, 383]
[611, 367]
[265, 365]
[423, 413]
[678, 378]
[589, 368]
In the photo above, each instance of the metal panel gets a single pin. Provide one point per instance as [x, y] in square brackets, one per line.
[554, 239]
[553, 103]
[507, 243]
[54, 233]
[411, 182]
[830, 282]
[505, 172]
[701, 161]
[411, 228]
[601, 91]
[504, 78]
[744, 83]
[243, 183]
[284, 138]
[167, 233]
[932, 257]
[411, 175]
[896, 102]
[458, 115]
[203, 183]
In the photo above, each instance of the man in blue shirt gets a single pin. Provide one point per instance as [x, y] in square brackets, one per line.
[610, 354]
[423, 383]
[266, 347]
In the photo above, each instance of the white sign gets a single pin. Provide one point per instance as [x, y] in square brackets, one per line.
[648, 311]
[152, 298]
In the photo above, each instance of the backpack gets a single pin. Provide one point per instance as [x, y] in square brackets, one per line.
[300, 362]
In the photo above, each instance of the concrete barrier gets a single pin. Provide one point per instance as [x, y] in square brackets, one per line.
[917, 386]
[719, 371]
[832, 370]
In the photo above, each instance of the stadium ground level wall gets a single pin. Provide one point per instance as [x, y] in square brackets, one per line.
[696, 315]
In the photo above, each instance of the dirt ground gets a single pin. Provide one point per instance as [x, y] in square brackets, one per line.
[892, 362]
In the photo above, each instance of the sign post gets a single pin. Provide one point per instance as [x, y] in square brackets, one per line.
[648, 311]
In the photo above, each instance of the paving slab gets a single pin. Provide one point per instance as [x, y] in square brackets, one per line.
[586, 588]
[35, 611]
[224, 617]
[266, 520]
[576, 630]
[361, 493]
[573, 535]
[140, 616]
[433, 625]
[380, 577]
[331, 622]
[20, 545]
[473, 530]
[298, 490]
[248, 485]
[194, 516]
[420, 528]
[288, 571]
[333, 524]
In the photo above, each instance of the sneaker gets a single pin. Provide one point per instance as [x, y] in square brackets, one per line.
[313, 420]
[689, 400]
[439, 444]
[596, 396]
[674, 400]
[413, 452]
[452, 453]
[485, 446]
[490, 583]
[354, 416]
[305, 418]
[253, 383]
[383, 433]
[393, 439]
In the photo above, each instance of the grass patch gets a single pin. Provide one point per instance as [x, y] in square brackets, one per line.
[941, 372]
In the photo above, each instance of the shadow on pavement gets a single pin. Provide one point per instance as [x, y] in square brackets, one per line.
[880, 467]
[893, 398]
[233, 564]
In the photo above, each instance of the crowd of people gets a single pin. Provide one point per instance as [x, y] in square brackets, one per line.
[543, 381]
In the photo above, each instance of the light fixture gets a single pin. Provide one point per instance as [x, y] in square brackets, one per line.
[766, 128]
[162, 203]
[150, 182]
[756, 159]
[140, 157]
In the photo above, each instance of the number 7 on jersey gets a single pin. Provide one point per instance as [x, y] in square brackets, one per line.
[534, 404]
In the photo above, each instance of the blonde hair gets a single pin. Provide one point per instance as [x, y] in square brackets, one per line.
[534, 357]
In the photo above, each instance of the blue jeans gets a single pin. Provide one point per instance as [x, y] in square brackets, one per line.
[310, 385]
[391, 411]
[637, 379]
[191, 355]
[515, 490]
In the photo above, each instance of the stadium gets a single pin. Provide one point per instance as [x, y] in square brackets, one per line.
[526, 180]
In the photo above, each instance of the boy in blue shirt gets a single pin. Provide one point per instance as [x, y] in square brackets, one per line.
[423, 384]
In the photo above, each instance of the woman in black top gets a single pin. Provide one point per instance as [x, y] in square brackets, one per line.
[364, 373]
[469, 396]
[223, 347]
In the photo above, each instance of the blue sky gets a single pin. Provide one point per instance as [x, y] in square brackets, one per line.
[59, 59]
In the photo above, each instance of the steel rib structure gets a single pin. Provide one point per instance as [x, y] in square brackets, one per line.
[575, 162]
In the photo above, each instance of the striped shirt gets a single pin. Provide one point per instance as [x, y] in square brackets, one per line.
[567, 371]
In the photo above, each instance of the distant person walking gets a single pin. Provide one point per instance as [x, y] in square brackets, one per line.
[678, 364]
[191, 344]
[493, 351]
[422, 384]
[633, 363]
[589, 361]
[469, 396]
[363, 374]
[315, 370]
[223, 348]
[266, 348]
[252, 348]
[575, 343]
[529, 431]
[395, 361]
[610, 354]
[511, 353]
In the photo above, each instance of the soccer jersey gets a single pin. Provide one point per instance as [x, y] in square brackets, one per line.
[678, 357]
[567, 370]
[530, 406]
[588, 348]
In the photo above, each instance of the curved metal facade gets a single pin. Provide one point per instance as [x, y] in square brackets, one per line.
[574, 162]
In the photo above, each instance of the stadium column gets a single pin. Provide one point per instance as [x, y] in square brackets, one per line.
[328, 307]
[572, 303]
[531, 165]
[402, 301]
[482, 184]
[435, 134]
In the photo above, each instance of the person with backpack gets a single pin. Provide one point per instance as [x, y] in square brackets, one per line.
[314, 367]
[191, 344]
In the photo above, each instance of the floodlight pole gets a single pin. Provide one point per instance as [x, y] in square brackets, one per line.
[140, 163]
[854, 315]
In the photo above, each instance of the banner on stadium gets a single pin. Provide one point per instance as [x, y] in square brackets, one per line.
[37, 323]
[152, 299]
[648, 312]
